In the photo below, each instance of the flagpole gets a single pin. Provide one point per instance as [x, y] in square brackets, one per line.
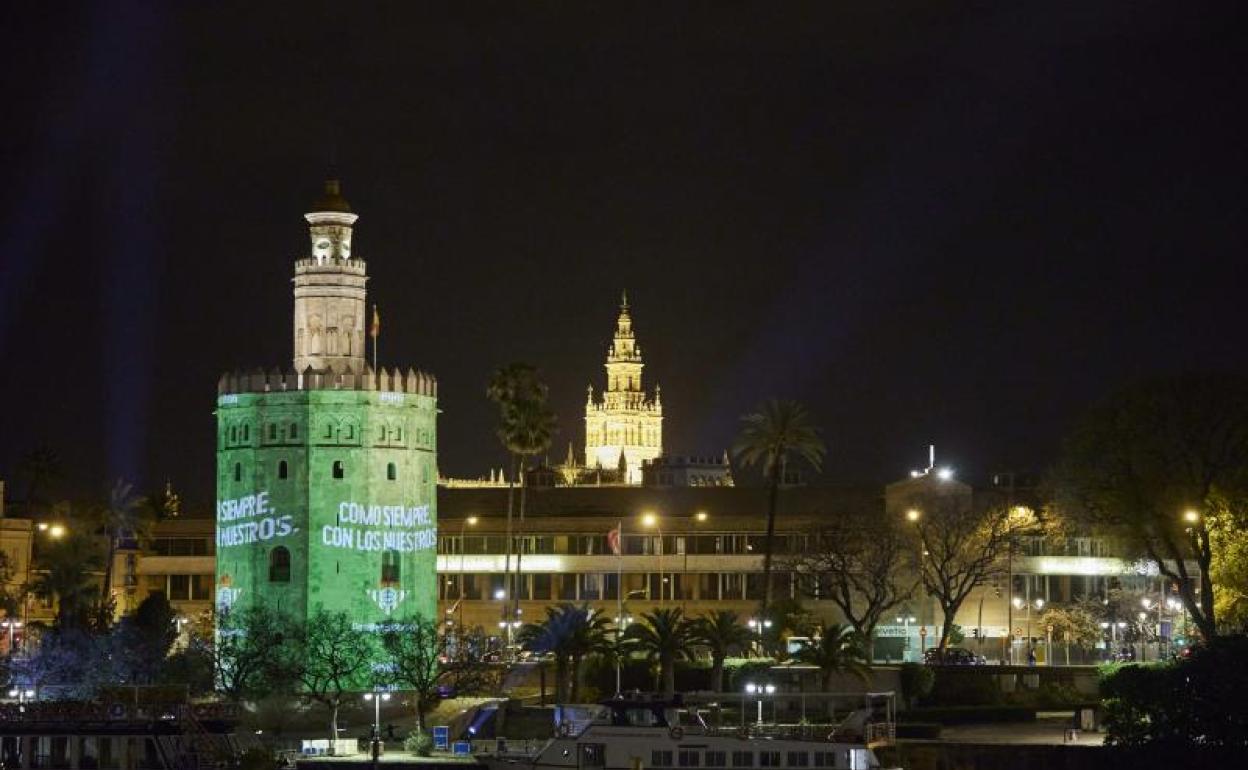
[619, 600]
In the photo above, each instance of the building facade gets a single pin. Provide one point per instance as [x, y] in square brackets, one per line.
[326, 474]
[624, 429]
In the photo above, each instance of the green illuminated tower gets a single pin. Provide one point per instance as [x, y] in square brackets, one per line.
[326, 473]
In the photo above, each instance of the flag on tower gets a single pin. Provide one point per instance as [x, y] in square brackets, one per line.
[613, 540]
[376, 328]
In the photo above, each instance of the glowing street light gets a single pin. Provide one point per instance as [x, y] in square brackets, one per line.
[701, 516]
[376, 696]
[944, 474]
[913, 514]
[760, 690]
[1191, 516]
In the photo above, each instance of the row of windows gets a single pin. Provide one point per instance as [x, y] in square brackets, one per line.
[181, 587]
[631, 545]
[341, 431]
[337, 469]
[279, 566]
[592, 586]
[846, 758]
[182, 546]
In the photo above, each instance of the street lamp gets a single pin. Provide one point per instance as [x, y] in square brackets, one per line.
[760, 690]
[471, 521]
[759, 625]
[913, 515]
[22, 695]
[905, 621]
[12, 624]
[376, 696]
[650, 519]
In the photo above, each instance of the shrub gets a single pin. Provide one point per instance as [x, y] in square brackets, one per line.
[256, 758]
[418, 743]
[738, 671]
[916, 682]
[967, 686]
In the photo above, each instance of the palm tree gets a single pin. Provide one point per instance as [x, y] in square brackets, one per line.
[839, 649]
[569, 633]
[665, 635]
[125, 515]
[67, 574]
[526, 426]
[769, 437]
[720, 632]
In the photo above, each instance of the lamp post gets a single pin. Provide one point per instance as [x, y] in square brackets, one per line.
[23, 695]
[905, 621]
[760, 690]
[759, 625]
[650, 519]
[376, 696]
[471, 521]
[12, 624]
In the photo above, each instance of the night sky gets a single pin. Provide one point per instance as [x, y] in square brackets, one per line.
[955, 224]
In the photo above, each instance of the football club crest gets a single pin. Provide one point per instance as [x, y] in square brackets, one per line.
[388, 599]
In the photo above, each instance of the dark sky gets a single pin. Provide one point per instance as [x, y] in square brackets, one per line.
[932, 223]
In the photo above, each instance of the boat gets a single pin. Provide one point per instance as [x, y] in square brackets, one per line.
[636, 733]
[117, 735]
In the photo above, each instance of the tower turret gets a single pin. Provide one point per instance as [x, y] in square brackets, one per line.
[330, 290]
[626, 427]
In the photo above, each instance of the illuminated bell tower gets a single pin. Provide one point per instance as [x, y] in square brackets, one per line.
[329, 290]
[626, 424]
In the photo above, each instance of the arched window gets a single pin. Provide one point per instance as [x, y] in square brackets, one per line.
[390, 572]
[272, 431]
[282, 469]
[294, 430]
[279, 565]
[246, 432]
[338, 471]
[233, 433]
[238, 471]
[392, 472]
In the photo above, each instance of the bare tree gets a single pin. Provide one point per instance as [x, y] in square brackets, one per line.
[957, 548]
[332, 658]
[861, 564]
[425, 661]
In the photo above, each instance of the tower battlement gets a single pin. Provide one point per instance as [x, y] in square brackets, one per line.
[385, 380]
[331, 265]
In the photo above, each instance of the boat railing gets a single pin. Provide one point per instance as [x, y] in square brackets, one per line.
[506, 748]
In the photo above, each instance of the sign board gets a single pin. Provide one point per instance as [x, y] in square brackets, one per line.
[462, 749]
[442, 738]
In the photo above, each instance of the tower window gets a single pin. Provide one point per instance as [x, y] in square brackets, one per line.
[338, 471]
[279, 565]
[272, 431]
[294, 430]
[392, 472]
[238, 471]
[246, 432]
[282, 470]
[233, 433]
[390, 571]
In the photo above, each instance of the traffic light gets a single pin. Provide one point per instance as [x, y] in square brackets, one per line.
[975, 633]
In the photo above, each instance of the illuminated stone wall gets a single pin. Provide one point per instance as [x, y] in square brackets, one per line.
[354, 504]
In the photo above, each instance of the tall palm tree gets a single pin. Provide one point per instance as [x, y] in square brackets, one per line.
[125, 515]
[526, 426]
[569, 633]
[720, 632]
[839, 649]
[66, 574]
[778, 431]
[665, 635]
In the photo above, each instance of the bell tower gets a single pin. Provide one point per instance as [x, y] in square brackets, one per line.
[329, 290]
[626, 428]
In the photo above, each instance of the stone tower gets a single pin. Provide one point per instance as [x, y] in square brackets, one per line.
[326, 474]
[329, 290]
[625, 428]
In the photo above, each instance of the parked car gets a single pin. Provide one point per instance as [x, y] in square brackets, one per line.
[953, 656]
